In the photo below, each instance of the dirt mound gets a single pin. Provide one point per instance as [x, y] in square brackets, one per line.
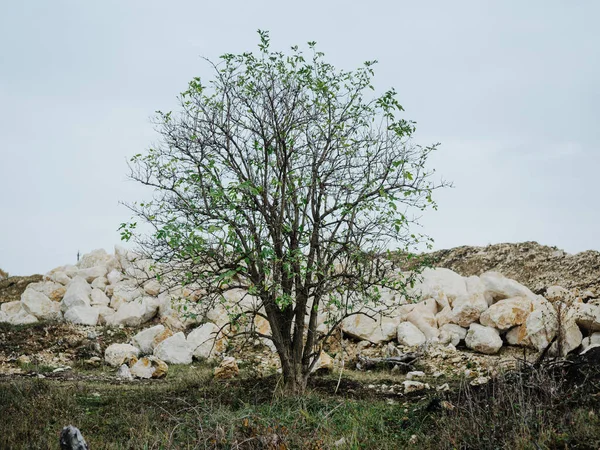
[534, 265]
[11, 288]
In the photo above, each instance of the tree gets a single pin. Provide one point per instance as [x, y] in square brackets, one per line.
[289, 179]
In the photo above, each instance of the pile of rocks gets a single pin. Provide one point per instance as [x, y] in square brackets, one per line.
[484, 312]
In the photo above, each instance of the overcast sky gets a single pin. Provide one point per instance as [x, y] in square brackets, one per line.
[511, 89]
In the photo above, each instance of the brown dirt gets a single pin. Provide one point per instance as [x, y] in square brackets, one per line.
[11, 288]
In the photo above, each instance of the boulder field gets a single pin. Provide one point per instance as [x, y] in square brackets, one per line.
[484, 312]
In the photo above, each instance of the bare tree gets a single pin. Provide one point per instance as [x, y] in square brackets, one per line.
[289, 179]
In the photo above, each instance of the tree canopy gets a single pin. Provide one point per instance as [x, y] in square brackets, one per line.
[289, 179]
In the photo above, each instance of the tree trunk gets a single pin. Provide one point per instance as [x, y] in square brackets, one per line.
[294, 381]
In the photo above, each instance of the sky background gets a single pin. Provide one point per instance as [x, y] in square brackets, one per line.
[511, 89]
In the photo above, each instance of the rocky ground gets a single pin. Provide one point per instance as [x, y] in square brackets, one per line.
[355, 367]
[531, 264]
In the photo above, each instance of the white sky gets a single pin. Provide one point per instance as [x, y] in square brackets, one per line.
[510, 88]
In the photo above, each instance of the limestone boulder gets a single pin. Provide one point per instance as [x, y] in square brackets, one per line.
[149, 367]
[507, 313]
[152, 287]
[518, 336]
[95, 258]
[82, 315]
[452, 334]
[100, 283]
[476, 287]
[105, 314]
[466, 309]
[436, 282]
[174, 350]
[444, 316]
[227, 369]
[540, 327]
[376, 330]
[145, 339]
[135, 312]
[125, 291]
[592, 339]
[324, 363]
[91, 273]
[499, 287]
[98, 297]
[206, 341]
[587, 316]
[409, 335]
[423, 316]
[15, 314]
[58, 276]
[53, 290]
[114, 276]
[37, 304]
[78, 294]
[483, 339]
[117, 354]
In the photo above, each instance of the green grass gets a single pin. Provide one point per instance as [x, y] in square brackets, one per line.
[191, 410]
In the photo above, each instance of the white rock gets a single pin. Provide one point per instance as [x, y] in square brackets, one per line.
[3, 317]
[569, 336]
[59, 277]
[92, 273]
[117, 354]
[593, 339]
[325, 362]
[147, 367]
[466, 309]
[500, 287]
[415, 374]
[114, 276]
[477, 287]
[452, 334]
[440, 281]
[423, 317]
[15, 314]
[54, 291]
[100, 283]
[136, 312]
[410, 335]
[39, 305]
[381, 329]
[445, 316]
[413, 386]
[95, 258]
[517, 336]
[202, 341]
[82, 315]
[124, 373]
[144, 340]
[98, 297]
[587, 316]
[105, 314]
[125, 291]
[78, 294]
[540, 327]
[174, 350]
[507, 313]
[483, 339]
[152, 287]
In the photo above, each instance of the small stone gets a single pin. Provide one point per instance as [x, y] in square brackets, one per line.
[227, 369]
[415, 374]
[124, 373]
